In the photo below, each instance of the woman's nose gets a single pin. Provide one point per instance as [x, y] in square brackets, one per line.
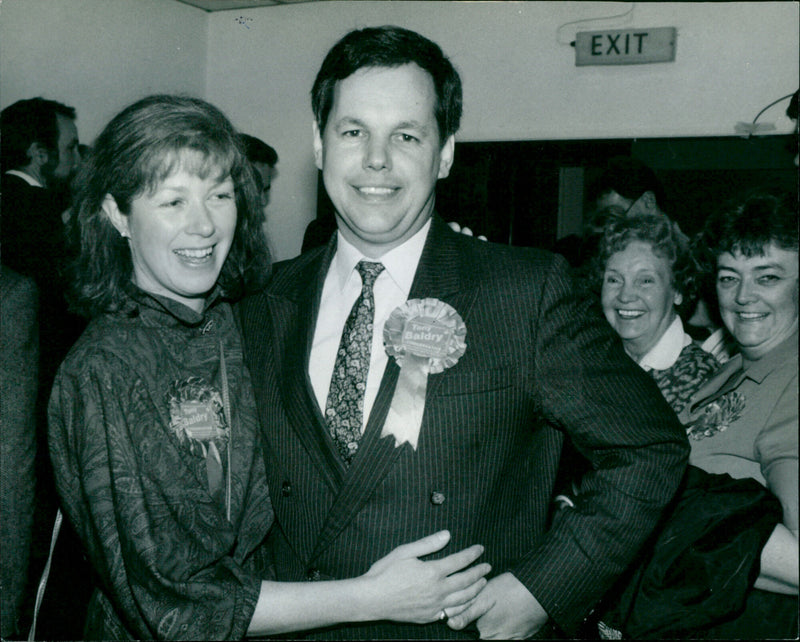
[627, 292]
[745, 293]
[201, 222]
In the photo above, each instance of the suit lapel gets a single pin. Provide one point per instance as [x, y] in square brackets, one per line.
[299, 400]
[438, 275]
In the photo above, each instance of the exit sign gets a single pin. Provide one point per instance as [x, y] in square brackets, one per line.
[625, 46]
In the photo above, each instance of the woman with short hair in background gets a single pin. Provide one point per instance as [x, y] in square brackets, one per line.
[647, 281]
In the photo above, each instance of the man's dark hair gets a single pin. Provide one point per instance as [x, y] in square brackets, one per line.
[628, 177]
[257, 151]
[389, 46]
[26, 122]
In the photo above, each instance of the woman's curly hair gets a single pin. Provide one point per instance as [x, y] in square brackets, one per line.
[667, 241]
[141, 146]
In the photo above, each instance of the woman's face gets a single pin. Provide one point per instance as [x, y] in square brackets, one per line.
[180, 234]
[758, 298]
[637, 296]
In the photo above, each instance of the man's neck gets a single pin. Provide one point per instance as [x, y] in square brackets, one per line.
[35, 172]
[28, 177]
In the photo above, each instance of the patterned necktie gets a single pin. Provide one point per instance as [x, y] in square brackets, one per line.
[344, 410]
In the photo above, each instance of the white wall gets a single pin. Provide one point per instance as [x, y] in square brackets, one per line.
[520, 82]
[100, 55]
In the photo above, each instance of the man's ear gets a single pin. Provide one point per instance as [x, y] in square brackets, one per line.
[446, 156]
[38, 154]
[318, 155]
[648, 201]
[117, 218]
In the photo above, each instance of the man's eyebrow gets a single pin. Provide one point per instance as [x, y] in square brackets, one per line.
[350, 120]
[412, 124]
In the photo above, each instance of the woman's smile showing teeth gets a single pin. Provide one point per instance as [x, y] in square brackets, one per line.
[195, 254]
[630, 314]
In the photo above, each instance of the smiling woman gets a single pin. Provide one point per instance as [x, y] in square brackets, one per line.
[647, 279]
[744, 421]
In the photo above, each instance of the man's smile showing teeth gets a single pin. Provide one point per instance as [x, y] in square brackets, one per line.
[746, 316]
[376, 191]
[195, 255]
[630, 314]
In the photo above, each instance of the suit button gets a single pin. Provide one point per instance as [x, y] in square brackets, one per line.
[437, 498]
[313, 575]
[286, 489]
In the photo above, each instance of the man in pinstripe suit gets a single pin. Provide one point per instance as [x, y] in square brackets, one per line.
[533, 366]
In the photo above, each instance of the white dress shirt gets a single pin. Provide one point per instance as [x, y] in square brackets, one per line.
[667, 349]
[341, 289]
[30, 180]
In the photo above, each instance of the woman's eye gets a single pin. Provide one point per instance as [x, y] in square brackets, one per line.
[173, 203]
[768, 279]
[224, 196]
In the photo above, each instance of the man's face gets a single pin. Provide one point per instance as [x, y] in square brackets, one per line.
[645, 204]
[380, 155]
[61, 167]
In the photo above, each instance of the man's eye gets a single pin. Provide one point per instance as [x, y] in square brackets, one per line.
[173, 203]
[351, 133]
[408, 138]
[768, 279]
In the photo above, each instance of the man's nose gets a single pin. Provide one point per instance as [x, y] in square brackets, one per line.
[377, 155]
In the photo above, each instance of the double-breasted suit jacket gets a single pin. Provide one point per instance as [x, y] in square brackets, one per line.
[538, 366]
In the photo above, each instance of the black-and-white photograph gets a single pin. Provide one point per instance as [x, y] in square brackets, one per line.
[399, 319]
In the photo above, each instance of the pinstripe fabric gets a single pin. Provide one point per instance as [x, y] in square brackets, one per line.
[538, 364]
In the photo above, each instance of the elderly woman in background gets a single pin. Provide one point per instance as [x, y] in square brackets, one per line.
[647, 278]
[744, 420]
[153, 430]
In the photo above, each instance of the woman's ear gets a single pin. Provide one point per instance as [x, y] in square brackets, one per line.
[678, 298]
[117, 218]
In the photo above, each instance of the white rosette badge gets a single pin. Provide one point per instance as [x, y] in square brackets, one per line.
[425, 336]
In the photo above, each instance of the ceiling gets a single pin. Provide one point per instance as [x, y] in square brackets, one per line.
[224, 5]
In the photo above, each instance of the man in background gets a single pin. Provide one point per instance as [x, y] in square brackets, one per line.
[19, 362]
[263, 158]
[38, 157]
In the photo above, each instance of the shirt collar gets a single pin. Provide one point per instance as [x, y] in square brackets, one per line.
[783, 353]
[400, 263]
[668, 348]
[30, 180]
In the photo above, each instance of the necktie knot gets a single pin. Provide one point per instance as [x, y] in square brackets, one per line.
[369, 271]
